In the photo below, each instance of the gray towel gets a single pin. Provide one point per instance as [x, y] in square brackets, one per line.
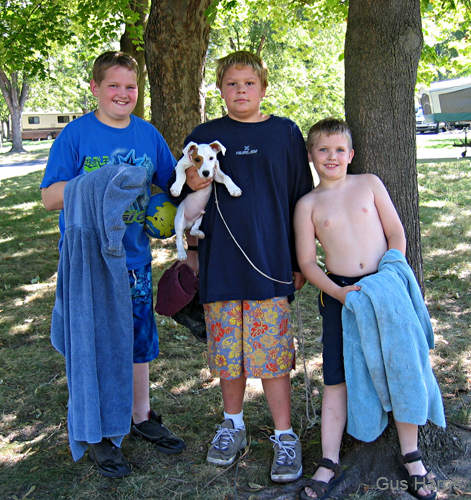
[387, 335]
[92, 321]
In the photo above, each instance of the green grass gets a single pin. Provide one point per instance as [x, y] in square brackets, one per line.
[35, 461]
[445, 194]
[442, 141]
[437, 142]
[35, 150]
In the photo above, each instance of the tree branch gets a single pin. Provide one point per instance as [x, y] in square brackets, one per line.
[24, 92]
[5, 86]
[260, 45]
[13, 38]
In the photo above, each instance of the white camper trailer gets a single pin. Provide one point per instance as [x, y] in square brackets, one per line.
[45, 124]
[448, 101]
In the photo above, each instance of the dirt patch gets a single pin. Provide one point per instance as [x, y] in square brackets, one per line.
[458, 470]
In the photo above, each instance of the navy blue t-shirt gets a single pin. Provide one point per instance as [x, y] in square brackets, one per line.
[268, 161]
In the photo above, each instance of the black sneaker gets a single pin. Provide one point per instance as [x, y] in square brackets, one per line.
[192, 316]
[154, 430]
[109, 459]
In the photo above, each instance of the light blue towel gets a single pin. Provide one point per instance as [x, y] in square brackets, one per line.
[92, 321]
[387, 335]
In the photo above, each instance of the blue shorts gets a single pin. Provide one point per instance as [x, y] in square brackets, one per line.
[146, 339]
[332, 339]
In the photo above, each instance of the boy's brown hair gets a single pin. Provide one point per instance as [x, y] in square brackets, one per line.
[329, 126]
[240, 59]
[110, 59]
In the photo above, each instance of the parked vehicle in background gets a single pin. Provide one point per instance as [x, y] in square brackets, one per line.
[448, 101]
[45, 124]
[422, 126]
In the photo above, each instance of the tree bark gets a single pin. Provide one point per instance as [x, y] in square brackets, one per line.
[126, 44]
[382, 51]
[15, 98]
[176, 42]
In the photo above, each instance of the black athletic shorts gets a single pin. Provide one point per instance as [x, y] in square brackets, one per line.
[331, 312]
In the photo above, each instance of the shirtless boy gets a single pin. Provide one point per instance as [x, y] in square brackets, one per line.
[354, 220]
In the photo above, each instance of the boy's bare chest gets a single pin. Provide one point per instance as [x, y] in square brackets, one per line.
[345, 211]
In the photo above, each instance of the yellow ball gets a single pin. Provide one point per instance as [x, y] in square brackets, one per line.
[160, 216]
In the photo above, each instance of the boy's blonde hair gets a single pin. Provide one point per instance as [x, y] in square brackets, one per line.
[110, 59]
[240, 59]
[329, 126]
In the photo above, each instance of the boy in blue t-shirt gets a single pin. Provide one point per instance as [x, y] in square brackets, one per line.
[112, 135]
[246, 297]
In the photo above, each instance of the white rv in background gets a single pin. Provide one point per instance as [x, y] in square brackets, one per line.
[45, 124]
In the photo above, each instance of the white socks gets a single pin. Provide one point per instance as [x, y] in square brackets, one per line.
[288, 431]
[238, 419]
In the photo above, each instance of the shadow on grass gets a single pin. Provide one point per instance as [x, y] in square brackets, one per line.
[35, 461]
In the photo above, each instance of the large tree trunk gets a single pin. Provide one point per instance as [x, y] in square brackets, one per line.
[15, 98]
[176, 41]
[141, 7]
[382, 50]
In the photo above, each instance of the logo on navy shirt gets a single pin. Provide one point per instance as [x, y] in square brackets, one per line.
[247, 151]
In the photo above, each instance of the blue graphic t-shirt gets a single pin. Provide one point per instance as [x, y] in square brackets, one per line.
[87, 144]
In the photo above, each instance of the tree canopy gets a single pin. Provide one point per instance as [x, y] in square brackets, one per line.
[446, 52]
[37, 33]
[49, 46]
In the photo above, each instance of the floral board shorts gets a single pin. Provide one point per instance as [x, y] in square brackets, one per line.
[252, 337]
[146, 339]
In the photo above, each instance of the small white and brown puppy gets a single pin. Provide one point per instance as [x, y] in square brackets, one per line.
[191, 210]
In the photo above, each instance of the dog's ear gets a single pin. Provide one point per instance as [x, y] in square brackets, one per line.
[218, 147]
[189, 148]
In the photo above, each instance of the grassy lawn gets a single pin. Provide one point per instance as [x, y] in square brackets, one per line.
[443, 140]
[35, 461]
[35, 150]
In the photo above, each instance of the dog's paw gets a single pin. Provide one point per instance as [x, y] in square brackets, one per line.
[232, 187]
[182, 255]
[196, 232]
[235, 191]
[176, 190]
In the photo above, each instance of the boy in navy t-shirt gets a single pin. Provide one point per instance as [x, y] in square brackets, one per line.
[246, 298]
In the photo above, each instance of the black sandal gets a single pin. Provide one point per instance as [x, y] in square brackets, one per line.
[416, 482]
[321, 488]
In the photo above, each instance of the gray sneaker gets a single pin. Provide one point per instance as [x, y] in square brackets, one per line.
[287, 463]
[225, 445]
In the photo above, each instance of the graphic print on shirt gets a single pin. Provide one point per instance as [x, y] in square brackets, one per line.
[137, 211]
